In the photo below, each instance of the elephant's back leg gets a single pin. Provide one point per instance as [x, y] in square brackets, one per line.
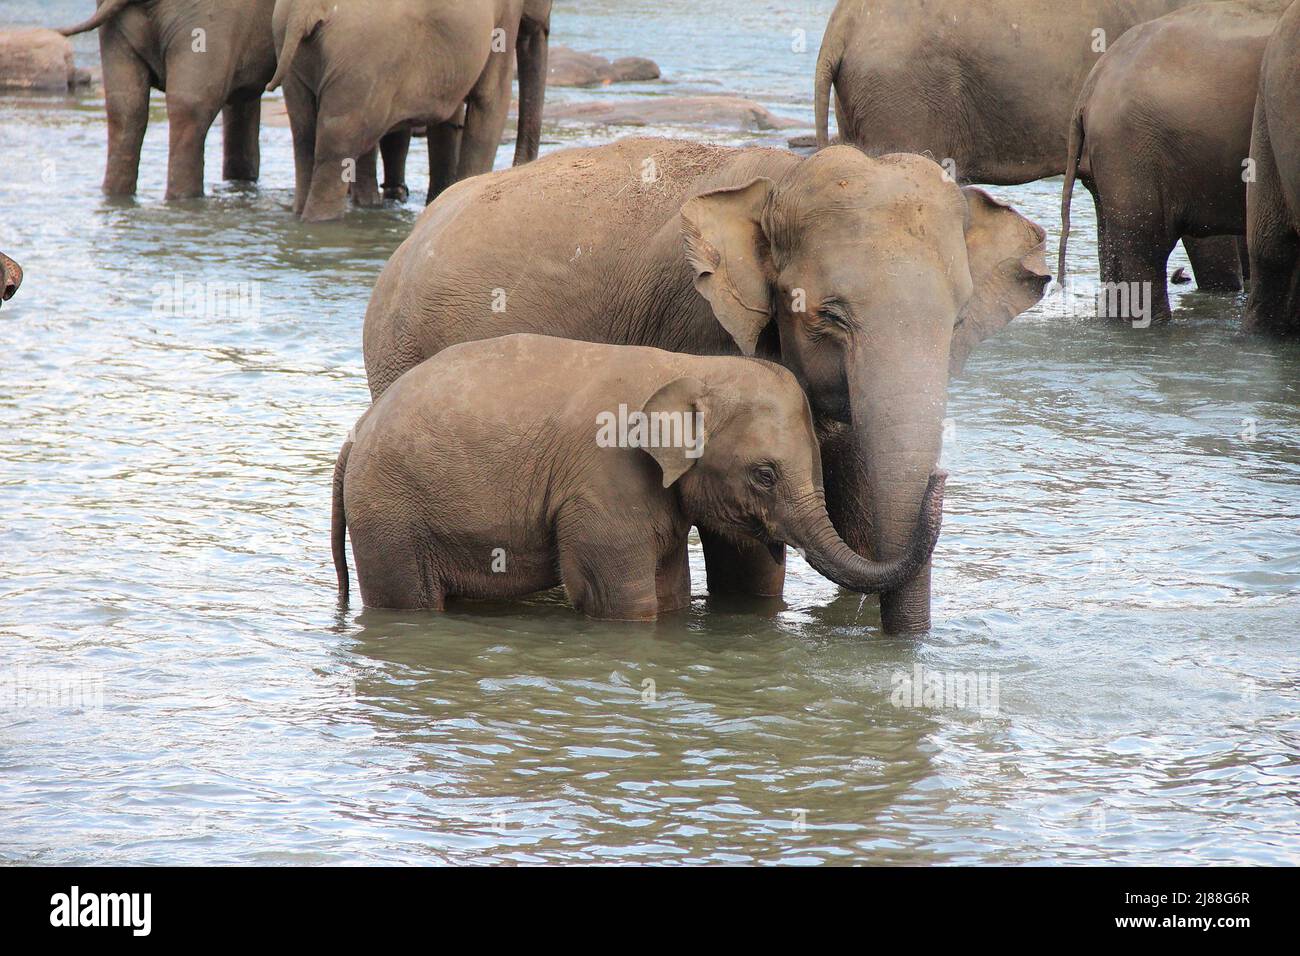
[126, 98]
[1216, 263]
[394, 568]
[1273, 239]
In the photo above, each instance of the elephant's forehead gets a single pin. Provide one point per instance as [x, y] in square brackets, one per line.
[857, 186]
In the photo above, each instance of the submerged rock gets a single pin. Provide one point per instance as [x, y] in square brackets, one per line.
[729, 112]
[572, 68]
[39, 60]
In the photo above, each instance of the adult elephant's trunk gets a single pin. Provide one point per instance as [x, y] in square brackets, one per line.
[898, 405]
[533, 53]
[810, 530]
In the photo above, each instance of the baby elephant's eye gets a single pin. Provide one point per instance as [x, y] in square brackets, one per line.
[764, 476]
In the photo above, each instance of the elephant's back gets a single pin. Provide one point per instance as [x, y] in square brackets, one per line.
[544, 248]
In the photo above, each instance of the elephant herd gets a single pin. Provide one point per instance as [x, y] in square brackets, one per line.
[358, 77]
[575, 361]
[1180, 118]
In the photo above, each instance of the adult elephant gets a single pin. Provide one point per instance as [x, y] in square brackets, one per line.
[11, 277]
[986, 86]
[1160, 137]
[356, 72]
[868, 278]
[532, 51]
[208, 57]
[1273, 199]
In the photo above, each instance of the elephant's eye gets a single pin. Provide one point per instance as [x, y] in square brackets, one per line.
[764, 476]
[834, 313]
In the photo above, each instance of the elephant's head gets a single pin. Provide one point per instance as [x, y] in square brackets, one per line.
[876, 276]
[748, 466]
[11, 277]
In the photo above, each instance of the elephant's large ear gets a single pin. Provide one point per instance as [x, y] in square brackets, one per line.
[675, 417]
[727, 248]
[1008, 267]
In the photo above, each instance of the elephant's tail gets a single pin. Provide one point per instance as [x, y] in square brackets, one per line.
[1073, 158]
[339, 524]
[107, 11]
[304, 18]
[828, 66]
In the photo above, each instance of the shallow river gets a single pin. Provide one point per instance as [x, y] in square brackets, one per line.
[1119, 574]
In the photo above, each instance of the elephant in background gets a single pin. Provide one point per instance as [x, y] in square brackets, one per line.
[603, 503]
[868, 278]
[1160, 137]
[208, 57]
[988, 86]
[1273, 199]
[359, 72]
[532, 50]
[11, 277]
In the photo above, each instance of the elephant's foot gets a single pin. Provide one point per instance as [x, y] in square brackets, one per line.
[366, 199]
[119, 189]
[319, 214]
[398, 193]
[179, 193]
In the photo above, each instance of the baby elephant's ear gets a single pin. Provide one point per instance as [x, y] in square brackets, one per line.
[726, 247]
[674, 425]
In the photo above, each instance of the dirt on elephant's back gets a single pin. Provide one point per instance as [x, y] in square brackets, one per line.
[638, 176]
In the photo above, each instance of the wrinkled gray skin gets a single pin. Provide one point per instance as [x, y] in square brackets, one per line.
[865, 277]
[1160, 135]
[361, 71]
[11, 277]
[487, 472]
[1273, 200]
[223, 69]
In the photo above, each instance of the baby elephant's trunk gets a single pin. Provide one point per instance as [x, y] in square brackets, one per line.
[813, 533]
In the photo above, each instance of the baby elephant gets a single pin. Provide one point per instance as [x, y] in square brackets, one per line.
[506, 466]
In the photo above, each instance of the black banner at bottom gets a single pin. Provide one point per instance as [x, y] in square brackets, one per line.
[335, 905]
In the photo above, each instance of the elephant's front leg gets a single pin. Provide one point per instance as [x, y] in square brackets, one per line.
[744, 569]
[241, 125]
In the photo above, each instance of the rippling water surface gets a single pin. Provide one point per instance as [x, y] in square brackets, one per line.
[1119, 573]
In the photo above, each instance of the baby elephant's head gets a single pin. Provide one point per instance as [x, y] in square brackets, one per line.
[744, 458]
[11, 277]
